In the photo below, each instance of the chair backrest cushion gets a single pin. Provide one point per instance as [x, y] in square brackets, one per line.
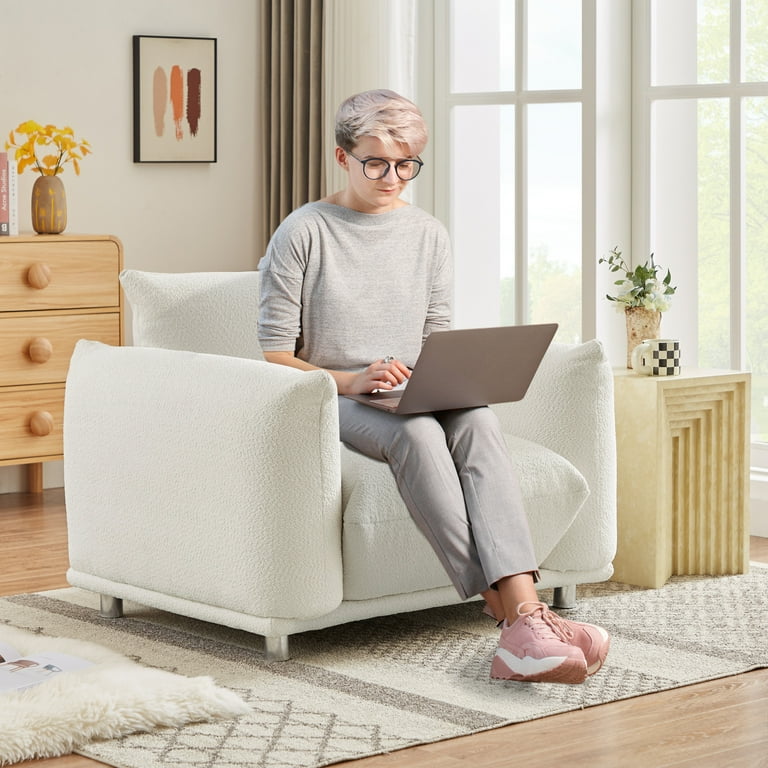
[213, 312]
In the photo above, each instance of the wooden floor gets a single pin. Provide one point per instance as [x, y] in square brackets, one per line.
[720, 724]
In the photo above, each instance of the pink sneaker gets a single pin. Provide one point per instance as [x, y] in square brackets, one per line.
[594, 641]
[532, 650]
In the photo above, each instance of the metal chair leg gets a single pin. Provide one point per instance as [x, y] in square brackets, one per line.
[564, 597]
[276, 648]
[110, 607]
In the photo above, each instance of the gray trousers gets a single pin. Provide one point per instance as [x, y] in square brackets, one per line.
[453, 472]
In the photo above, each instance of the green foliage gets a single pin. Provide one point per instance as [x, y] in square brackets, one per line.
[641, 286]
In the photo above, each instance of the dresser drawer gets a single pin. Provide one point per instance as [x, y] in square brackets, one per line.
[35, 349]
[31, 423]
[73, 275]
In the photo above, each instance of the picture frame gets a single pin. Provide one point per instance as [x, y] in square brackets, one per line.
[174, 99]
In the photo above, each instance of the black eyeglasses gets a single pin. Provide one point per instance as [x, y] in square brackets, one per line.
[375, 168]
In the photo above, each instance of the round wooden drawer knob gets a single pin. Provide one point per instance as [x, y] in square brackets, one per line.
[40, 350]
[41, 423]
[39, 275]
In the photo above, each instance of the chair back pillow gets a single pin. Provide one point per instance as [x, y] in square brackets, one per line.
[213, 312]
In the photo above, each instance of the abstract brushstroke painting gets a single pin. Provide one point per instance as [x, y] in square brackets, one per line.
[174, 99]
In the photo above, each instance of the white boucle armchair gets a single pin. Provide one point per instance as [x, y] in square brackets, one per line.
[203, 481]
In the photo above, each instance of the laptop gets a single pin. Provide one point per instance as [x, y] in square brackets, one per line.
[468, 367]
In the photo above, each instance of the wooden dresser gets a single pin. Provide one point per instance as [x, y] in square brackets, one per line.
[54, 290]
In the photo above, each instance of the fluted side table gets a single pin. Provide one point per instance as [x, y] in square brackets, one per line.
[683, 475]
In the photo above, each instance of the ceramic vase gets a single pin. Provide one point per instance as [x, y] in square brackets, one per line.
[642, 324]
[49, 205]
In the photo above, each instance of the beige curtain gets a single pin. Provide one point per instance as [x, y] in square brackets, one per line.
[292, 164]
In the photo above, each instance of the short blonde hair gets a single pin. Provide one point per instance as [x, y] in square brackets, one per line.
[383, 114]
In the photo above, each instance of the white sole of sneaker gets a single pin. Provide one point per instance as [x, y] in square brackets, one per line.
[552, 669]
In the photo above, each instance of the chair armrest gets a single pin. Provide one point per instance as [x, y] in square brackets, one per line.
[569, 408]
[212, 478]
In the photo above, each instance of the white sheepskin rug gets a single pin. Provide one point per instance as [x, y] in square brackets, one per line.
[112, 698]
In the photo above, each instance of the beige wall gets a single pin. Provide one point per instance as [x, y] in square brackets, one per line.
[71, 64]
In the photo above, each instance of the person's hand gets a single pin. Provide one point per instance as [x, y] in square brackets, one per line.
[385, 374]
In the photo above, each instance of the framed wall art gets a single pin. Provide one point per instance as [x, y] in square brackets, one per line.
[174, 99]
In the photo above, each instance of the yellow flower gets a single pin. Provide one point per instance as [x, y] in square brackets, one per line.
[65, 148]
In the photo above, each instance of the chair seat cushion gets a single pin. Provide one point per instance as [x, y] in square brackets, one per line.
[379, 534]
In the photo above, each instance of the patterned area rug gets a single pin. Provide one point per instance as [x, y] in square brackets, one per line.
[385, 684]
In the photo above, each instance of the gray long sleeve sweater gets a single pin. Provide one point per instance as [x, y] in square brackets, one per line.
[343, 288]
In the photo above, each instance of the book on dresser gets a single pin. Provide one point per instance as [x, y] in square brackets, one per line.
[13, 197]
[5, 199]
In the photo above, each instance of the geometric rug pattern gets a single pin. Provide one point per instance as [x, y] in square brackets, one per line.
[384, 684]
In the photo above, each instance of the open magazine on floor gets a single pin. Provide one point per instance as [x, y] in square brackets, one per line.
[18, 671]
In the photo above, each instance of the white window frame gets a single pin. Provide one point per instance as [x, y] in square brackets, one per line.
[616, 166]
[606, 161]
[644, 95]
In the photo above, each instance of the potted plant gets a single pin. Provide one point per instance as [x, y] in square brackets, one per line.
[45, 149]
[643, 295]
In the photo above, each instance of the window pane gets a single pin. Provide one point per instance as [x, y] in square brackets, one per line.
[714, 233]
[691, 210]
[483, 214]
[554, 217]
[483, 46]
[690, 230]
[690, 41]
[756, 40]
[756, 135]
[554, 45]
